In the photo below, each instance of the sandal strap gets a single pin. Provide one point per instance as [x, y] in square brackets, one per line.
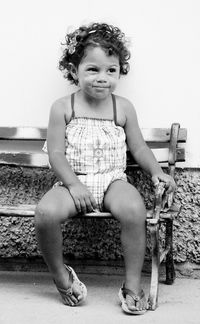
[68, 291]
[136, 297]
[73, 277]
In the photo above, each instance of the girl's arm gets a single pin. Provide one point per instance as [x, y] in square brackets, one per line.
[83, 199]
[141, 152]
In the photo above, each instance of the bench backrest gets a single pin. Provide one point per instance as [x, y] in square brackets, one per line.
[22, 146]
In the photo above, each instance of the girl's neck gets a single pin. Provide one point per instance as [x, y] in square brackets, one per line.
[91, 107]
[91, 101]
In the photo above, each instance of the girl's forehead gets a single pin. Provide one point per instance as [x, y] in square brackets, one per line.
[98, 55]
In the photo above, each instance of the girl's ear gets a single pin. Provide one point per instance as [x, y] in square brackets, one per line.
[73, 71]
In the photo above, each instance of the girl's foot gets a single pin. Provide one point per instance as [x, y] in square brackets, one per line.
[74, 292]
[132, 303]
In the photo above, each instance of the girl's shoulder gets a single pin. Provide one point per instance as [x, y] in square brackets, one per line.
[125, 108]
[62, 107]
[124, 103]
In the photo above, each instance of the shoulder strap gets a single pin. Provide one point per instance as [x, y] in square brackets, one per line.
[72, 105]
[114, 109]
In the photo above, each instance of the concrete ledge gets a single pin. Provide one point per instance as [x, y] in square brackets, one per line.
[183, 270]
[94, 239]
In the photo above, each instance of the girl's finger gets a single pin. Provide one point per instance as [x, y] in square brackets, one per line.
[88, 205]
[77, 205]
[155, 180]
[83, 206]
[170, 189]
[93, 202]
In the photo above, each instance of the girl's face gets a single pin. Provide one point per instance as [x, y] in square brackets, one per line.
[98, 73]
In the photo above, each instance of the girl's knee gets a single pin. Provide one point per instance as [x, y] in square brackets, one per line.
[54, 208]
[129, 208]
[133, 213]
[138, 213]
[46, 214]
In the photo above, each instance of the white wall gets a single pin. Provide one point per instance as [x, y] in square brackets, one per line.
[163, 82]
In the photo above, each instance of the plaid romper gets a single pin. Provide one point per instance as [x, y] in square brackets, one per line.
[96, 151]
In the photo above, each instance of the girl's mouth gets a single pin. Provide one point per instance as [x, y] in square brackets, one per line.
[101, 87]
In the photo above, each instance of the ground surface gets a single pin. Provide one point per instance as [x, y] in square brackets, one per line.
[32, 298]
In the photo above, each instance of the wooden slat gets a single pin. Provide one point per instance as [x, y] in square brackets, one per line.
[28, 210]
[35, 159]
[18, 210]
[161, 155]
[23, 133]
[156, 135]
[41, 159]
[162, 135]
[25, 159]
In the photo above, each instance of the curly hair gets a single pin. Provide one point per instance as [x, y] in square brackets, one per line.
[108, 37]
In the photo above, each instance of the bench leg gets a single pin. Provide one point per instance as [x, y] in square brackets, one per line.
[170, 271]
[153, 295]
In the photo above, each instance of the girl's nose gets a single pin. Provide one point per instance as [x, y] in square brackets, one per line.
[101, 77]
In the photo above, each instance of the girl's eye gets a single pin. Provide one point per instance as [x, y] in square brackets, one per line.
[92, 69]
[112, 70]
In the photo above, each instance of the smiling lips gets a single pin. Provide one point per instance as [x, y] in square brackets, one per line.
[100, 87]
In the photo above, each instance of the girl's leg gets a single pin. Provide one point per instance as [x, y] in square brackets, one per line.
[126, 205]
[54, 208]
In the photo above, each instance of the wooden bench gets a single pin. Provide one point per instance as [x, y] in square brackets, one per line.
[166, 144]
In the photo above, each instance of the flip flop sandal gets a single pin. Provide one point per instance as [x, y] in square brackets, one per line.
[136, 298]
[67, 293]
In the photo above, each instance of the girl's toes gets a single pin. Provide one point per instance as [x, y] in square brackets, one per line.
[130, 303]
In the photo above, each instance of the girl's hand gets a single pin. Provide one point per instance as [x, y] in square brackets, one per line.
[167, 179]
[83, 199]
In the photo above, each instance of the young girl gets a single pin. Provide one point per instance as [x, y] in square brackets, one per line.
[86, 144]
